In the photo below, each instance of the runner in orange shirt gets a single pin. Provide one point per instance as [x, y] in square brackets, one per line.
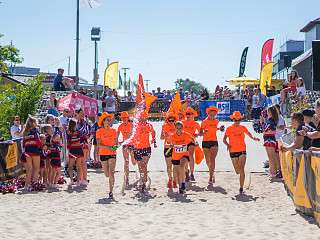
[193, 128]
[208, 130]
[107, 143]
[168, 129]
[142, 147]
[180, 154]
[125, 129]
[237, 146]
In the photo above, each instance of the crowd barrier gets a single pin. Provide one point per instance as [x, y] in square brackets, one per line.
[301, 175]
[10, 164]
[227, 107]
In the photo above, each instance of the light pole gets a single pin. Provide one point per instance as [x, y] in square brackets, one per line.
[147, 84]
[77, 43]
[125, 79]
[95, 36]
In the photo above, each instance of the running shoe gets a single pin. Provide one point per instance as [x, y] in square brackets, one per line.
[192, 178]
[110, 195]
[183, 186]
[174, 185]
[279, 174]
[241, 190]
[181, 191]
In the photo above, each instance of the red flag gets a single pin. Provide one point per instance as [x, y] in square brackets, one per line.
[140, 90]
[266, 55]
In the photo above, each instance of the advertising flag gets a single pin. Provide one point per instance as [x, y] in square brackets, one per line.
[266, 77]
[266, 55]
[243, 62]
[111, 75]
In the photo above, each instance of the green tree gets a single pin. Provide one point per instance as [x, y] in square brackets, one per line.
[20, 100]
[189, 85]
[8, 54]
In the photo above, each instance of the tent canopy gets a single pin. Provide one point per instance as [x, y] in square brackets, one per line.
[244, 81]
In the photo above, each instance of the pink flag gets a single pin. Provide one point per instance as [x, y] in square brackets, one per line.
[266, 55]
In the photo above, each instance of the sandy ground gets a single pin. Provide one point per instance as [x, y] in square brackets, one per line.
[264, 212]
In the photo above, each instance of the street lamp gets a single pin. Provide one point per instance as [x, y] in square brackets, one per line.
[125, 79]
[95, 37]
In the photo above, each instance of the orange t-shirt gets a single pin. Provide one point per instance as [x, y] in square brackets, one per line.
[180, 145]
[107, 137]
[191, 126]
[169, 129]
[236, 135]
[141, 138]
[210, 128]
[125, 129]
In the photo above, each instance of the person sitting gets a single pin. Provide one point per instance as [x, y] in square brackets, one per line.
[58, 81]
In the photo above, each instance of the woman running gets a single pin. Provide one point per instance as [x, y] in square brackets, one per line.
[75, 152]
[168, 129]
[193, 128]
[237, 146]
[125, 129]
[32, 145]
[180, 155]
[107, 143]
[142, 148]
[208, 130]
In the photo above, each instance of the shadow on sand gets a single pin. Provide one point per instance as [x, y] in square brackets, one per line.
[177, 197]
[216, 189]
[106, 201]
[245, 198]
[144, 197]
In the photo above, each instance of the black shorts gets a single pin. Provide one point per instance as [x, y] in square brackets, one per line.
[77, 152]
[209, 144]
[32, 151]
[177, 162]
[168, 154]
[55, 163]
[140, 153]
[104, 158]
[191, 144]
[237, 154]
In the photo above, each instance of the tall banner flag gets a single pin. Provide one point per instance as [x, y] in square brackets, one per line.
[266, 77]
[266, 55]
[111, 75]
[120, 81]
[243, 62]
[140, 90]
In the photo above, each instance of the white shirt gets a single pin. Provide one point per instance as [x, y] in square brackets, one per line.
[111, 104]
[281, 123]
[63, 120]
[13, 130]
[301, 91]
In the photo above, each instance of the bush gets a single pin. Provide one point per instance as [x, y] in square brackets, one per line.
[20, 100]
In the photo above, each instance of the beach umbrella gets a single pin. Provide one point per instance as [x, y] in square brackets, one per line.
[243, 81]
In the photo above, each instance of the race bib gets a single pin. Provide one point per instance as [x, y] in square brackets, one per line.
[181, 148]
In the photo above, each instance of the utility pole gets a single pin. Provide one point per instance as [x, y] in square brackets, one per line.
[95, 36]
[69, 66]
[147, 84]
[77, 43]
[125, 79]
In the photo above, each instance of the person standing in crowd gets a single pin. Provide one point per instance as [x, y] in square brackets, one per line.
[256, 107]
[58, 81]
[93, 130]
[64, 118]
[142, 146]
[301, 91]
[84, 128]
[204, 95]
[167, 131]
[52, 105]
[55, 160]
[262, 99]
[125, 129]
[32, 145]
[130, 97]
[237, 146]
[181, 92]
[16, 129]
[297, 122]
[110, 103]
[107, 143]
[159, 94]
[208, 130]
[168, 96]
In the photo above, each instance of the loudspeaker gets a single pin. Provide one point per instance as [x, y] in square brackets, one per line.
[316, 65]
[287, 61]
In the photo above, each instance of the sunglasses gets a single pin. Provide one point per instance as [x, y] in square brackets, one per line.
[171, 120]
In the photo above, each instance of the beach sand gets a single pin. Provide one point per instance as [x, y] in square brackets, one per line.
[264, 212]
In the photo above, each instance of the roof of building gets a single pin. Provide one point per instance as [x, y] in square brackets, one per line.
[16, 79]
[310, 25]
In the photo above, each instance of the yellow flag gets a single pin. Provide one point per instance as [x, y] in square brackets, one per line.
[111, 75]
[266, 77]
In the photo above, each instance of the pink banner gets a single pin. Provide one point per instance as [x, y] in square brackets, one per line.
[76, 100]
[266, 55]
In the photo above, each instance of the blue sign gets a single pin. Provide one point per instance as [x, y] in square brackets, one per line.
[226, 107]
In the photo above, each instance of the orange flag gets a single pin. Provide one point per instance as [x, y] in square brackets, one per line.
[140, 90]
[176, 105]
[199, 155]
[149, 99]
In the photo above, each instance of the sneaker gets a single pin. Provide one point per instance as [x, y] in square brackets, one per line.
[192, 178]
[241, 190]
[279, 174]
[143, 188]
[84, 183]
[110, 195]
[183, 186]
[266, 164]
[187, 177]
[181, 191]
[169, 185]
[174, 185]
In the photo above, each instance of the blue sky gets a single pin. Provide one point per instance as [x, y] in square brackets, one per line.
[164, 40]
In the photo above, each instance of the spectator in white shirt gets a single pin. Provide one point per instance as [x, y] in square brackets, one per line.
[301, 89]
[110, 103]
[64, 118]
[16, 128]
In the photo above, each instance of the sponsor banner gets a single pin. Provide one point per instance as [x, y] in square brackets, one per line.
[226, 108]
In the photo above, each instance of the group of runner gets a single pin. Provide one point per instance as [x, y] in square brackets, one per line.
[180, 133]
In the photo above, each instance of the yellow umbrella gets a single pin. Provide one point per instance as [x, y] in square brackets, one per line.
[243, 81]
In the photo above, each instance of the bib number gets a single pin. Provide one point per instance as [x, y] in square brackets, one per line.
[181, 148]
